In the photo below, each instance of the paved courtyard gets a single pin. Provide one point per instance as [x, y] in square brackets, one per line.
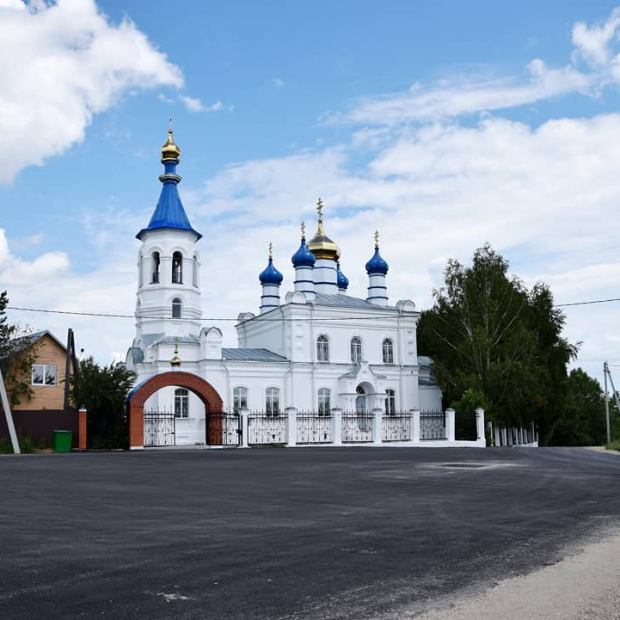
[286, 533]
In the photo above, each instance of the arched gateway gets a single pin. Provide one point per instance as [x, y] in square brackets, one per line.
[139, 395]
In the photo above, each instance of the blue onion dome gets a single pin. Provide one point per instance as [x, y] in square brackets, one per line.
[303, 257]
[343, 281]
[270, 275]
[376, 264]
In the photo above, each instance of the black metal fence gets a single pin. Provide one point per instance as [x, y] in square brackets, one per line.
[312, 427]
[267, 429]
[223, 429]
[357, 427]
[432, 425]
[396, 427]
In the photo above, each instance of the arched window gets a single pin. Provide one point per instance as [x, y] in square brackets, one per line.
[177, 268]
[390, 402]
[155, 267]
[324, 401]
[195, 271]
[388, 351]
[240, 399]
[181, 403]
[322, 349]
[272, 401]
[356, 350]
[176, 308]
[140, 267]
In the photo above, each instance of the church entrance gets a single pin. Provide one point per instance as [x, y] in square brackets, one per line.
[159, 427]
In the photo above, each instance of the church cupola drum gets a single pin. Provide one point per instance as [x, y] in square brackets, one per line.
[270, 279]
[327, 254]
[168, 301]
[377, 269]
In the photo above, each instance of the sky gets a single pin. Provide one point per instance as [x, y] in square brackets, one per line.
[441, 123]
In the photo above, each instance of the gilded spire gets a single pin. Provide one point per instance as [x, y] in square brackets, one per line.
[321, 245]
[169, 150]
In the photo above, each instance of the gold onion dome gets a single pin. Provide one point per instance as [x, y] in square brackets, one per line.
[170, 150]
[321, 245]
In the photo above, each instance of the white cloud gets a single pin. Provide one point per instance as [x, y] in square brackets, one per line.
[194, 104]
[68, 63]
[278, 82]
[593, 42]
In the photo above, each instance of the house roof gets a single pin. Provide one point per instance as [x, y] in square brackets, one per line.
[252, 355]
[345, 301]
[17, 345]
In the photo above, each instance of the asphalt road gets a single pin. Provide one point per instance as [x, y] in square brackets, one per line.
[286, 533]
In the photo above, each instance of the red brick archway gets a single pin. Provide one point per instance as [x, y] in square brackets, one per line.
[204, 390]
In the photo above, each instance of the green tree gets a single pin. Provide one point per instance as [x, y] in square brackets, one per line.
[487, 332]
[582, 419]
[17, 354]
[103, 391]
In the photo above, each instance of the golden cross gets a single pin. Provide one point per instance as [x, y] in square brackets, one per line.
[270, 250]
[319, 208]
[303, 230]
[376, 238]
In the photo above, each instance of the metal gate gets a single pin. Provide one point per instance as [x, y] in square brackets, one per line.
[159, 428]
[223, 429]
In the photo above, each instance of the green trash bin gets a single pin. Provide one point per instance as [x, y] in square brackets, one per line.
[62, 441]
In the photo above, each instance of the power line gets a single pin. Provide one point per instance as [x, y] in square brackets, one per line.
[348, 318]
[168, 318]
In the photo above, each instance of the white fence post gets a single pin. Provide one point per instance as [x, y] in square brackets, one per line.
[244, 413]
[450, 421]
[337, 426]
[480, 425]
[377, 425]
[415, 425]
[291, 427]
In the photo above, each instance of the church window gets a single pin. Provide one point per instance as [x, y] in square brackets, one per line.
[390, 402]
[240, 399]
[322, 349]
[195, 272]
[272, 401]
[155, 260]
[177, 268]
[388, 351]
[181, 403]
[140, 276]
[324, 401]
[176, 308]
[356, 350]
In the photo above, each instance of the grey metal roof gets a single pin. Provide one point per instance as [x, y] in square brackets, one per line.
[161, 339]
[424, 360]
[137, 355]
[17, 345]
[252, 355]
[344, 301]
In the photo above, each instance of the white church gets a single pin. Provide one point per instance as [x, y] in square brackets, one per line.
[314, 348]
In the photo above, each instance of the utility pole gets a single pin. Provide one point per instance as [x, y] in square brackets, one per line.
[605, 371]
[9, 417]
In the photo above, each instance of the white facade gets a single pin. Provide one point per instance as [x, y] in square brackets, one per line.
[316, 338]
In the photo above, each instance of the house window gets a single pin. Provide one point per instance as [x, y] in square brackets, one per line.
[356, 350]
[272, 401]
[176, 308]
[43, 374]
[177, 268]
[390, 402]
[240, 399]
[324, 401]
[181, 403]
[322, 349]
[388, 351]
[195, 272]
[155, 264]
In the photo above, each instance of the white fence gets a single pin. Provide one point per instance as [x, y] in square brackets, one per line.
[337, 428]
[514, 436]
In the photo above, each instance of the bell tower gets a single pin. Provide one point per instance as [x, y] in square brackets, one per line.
[168, 297]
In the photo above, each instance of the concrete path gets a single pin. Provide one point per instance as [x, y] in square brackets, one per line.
[288, 533]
